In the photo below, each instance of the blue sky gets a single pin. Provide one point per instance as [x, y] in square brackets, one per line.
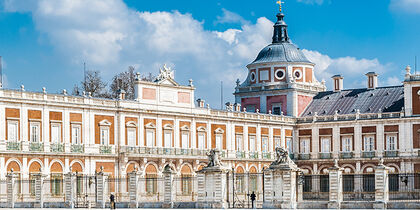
[44, 43]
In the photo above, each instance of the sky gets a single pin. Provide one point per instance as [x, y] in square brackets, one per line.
[44, 43]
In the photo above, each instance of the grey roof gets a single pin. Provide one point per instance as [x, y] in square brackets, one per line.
[281, 52]
[382, 99]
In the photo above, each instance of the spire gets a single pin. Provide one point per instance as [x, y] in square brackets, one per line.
[280, 29]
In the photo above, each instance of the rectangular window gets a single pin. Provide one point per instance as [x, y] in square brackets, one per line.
[185, 140]
[277, 141]
[76, 134]
[391, 141]
[186, 184]
[219, 141]
[131, 137]
[325, 145]
[289, 145]
[150, 134]
[252, 143]
[347, 144]
[104, 135]
[12, 130]
[276, 108]
[304, 146]
[369, 143]
[239, 143]
[34, 131]
[201, 140]
[253, 183]
[167, 139]
[250, 108]
[264, 142]
[151, 183]
[56, 184]
[55, 133]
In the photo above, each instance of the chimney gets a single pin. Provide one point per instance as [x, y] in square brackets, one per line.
[200, 103]
[337, 82]
[237, 107]
[121, 94]
[372, 80]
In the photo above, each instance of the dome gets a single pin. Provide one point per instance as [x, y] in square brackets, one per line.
[281, 52]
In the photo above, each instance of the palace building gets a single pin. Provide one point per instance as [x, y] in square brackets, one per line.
[279, 104]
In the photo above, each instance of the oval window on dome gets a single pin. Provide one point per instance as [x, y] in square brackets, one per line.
[280, 74]
[253, 77]
[297, 74]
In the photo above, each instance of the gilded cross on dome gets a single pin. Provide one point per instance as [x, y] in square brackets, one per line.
[280, 4]
[165, 73]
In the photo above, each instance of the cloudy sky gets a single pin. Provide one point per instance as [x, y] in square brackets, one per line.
[45, 42]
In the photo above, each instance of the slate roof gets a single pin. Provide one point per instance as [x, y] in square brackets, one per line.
[381, 99]
[281, 52]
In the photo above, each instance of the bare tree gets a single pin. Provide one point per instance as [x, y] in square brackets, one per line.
[92, 84]
[125, 81]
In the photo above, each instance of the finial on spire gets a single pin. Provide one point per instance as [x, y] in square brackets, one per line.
[280, 4]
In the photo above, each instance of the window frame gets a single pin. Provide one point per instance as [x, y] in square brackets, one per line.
[37, 134]
[16, 124]
[56, 139]
[103, 141]
[76, 139]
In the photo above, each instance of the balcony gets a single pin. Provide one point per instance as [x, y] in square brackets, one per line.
[14, 146]
[253, 155]
[391, 153]
[36, 146]
[266, 155]
[77, 148]
[240, 154]
[368, 154]
[304, 156]
[325, 155]
[57, 147]
[346, 155]
[104, 149]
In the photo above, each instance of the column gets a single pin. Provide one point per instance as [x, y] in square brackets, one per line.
[38, 190]
[381, 186]
[132, 188]
[100, 189]
[69, 189]
[336, 186]
[212, 186]
[169, 189]
[11, 189]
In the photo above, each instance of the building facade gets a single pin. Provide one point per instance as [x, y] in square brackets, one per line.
[280, 104]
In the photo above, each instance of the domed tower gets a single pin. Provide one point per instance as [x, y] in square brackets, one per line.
[281, 79]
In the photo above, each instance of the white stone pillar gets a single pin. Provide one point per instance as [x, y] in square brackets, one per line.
[212, 187]
[100, 189]
[381, 186]
[133, 188]
[169, 188]
[11, 189]
[69, 189]
[39, 201]
[336, 186]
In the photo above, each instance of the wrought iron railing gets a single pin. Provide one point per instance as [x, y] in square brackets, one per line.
[57, 147]
[304, 156]
[391, 153]
[358, 187]
[105, 149]
[316, 187]
[404, 186]
[14, 145]
[253, 155]
[266, 155]
[36, 146]
[77, 148]
[324, 155]
[346, 155]
[240, 154]
[368, 154]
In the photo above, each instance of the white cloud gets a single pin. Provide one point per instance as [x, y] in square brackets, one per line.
[410, 6]
[230, 17]
[393, 81]
[351, 68]
[319, 2]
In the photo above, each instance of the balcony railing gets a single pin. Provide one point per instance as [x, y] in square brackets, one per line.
[14, 145]
[253, 155]
[240, 154]
[57, 147]
[104, 149]
[36, 146]
[325, 155]
[368, 154]
[304, 156]
[77, 148]
[266, 155]
[391, 153]
[346, 155]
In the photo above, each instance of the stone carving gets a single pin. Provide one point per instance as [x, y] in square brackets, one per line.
[214, 159]
[165, 73]
[282, 156]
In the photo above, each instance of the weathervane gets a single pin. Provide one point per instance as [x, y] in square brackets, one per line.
[280, 3]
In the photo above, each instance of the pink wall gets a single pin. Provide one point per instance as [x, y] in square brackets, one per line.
[277, 99]
[303, 102]
[250, 101]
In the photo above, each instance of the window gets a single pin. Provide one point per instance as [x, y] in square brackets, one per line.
[12, 130]
[369, 144]
[307, 184]
[151, 183]
[253, 183]
[325, 145]
[240, 185]
[369, 182]
[186, 180]
[348, 183]
[347, 144]
[76, 134]
[251, 108]
[31, 184]
[239, 143]
[34, 131]
[131, 137]
[104, 135]
[219, 141]
[185, 139]
[201, 141]
[391, 142]
[167, 138]
[324, 183]
[264, 142]
[277, 142]
[55, 133]
[289, 145]
[304, 146]
[276, 108]
[252, 142]
[56, 184]
[150, 136]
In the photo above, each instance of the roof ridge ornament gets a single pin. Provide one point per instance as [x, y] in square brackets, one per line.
[280, 27]
[280, 5]
[165, 73]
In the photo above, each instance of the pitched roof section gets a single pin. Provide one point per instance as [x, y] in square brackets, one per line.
[382, 99]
